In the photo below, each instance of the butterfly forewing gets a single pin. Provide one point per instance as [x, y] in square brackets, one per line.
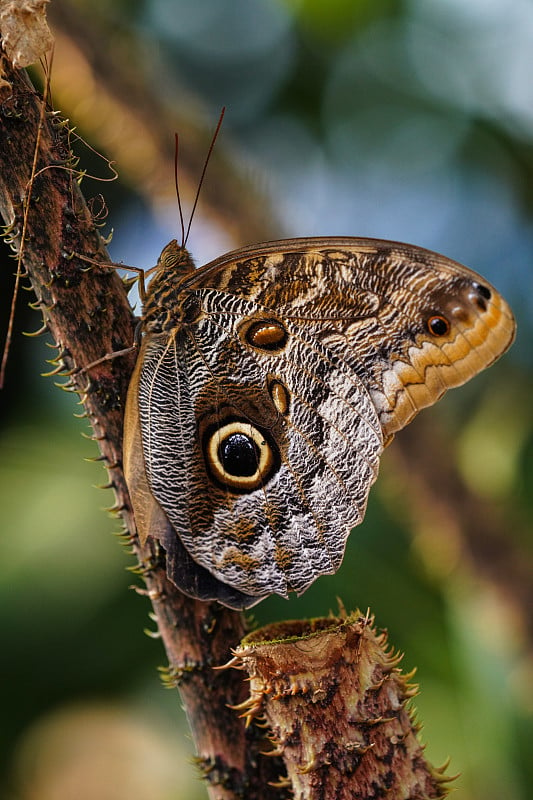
[372, 301]
[268, 383]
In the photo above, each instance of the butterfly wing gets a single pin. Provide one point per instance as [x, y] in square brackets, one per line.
[263, 414]
[261, 523]
[151, 520]
[372, 302]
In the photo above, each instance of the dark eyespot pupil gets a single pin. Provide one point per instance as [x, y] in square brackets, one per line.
[438, 326]
[483, 290]
[239, 455]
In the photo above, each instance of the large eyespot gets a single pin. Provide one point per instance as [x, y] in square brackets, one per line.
[267, 335]
[240, 457]
[438, 325]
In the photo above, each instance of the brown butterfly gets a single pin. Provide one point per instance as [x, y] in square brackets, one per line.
[267, 385]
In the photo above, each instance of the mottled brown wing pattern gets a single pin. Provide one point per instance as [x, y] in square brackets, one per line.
[271, 534]
[267, 384]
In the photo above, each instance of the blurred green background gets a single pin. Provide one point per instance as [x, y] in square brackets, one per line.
[404, 120]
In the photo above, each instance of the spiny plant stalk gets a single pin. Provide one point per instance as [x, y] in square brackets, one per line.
[337, 708]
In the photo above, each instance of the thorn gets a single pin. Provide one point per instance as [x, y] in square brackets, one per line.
[152, 634]
[32, 334]
[281, 783]
[234, 662]
[54, 360]
[126, 539]
[119, 508]
[57, 371]
[277, 751]
[129, 283]
[114, 510]
[66, 387]
[152, 594]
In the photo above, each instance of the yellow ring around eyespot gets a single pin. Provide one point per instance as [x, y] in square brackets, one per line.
[243, 482]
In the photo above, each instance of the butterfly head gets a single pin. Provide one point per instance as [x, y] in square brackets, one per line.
[166, 305]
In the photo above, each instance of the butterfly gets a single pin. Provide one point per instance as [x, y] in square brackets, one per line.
[267, 385]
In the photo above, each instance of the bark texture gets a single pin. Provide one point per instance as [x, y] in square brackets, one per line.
[336, 704]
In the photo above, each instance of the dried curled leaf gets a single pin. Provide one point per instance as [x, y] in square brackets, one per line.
[25, 32]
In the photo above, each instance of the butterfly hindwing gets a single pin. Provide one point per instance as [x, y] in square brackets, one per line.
[278, 533]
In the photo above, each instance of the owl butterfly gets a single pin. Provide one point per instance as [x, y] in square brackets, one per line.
[267, 385]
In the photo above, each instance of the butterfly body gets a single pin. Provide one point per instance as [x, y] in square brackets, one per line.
[267, 385]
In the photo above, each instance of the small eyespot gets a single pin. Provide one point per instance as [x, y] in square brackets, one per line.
[265, 335]
[437, 325]
[480, 296]
[484, 291]
[280, 396]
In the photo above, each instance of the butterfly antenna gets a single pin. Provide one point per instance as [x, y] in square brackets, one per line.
[177, 185]
[202, 176]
